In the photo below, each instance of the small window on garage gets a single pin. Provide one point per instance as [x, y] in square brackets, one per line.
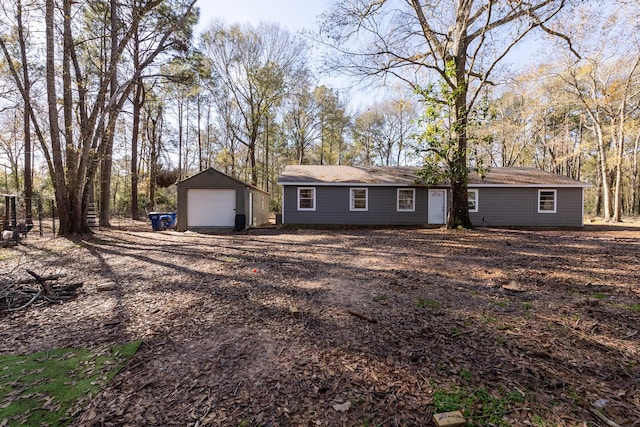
[547, 201]
[359, 199]
[472, 198]
[306, 199]
[406, 199]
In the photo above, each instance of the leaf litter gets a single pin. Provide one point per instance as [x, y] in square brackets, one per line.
[540, 314]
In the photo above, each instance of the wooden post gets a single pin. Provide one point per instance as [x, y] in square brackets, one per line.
[53, 217]
[14, 219]
[40, 216]
[7, 213]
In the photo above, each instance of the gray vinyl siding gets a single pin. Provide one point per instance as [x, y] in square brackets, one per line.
[332, 207]
[519, 207]
[502, 206]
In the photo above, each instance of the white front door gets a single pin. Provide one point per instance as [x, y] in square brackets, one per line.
[252, 221]
[437, 206]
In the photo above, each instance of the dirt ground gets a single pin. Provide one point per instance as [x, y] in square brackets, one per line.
[347, 327]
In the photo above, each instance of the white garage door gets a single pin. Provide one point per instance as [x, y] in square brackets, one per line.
[211, 208]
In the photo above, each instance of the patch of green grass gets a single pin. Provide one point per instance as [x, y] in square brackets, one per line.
[488, 319]
[52, 387]
[634, 307]
[5, 255]
[479, 406]
[527, 305]
[502, 304]
[600, 295]
[465, 375]
[538, 421]
[427, 303]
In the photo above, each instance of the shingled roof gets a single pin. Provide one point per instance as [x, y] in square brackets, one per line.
[408, 176]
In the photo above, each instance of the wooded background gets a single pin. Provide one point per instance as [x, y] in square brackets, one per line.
[111, 102]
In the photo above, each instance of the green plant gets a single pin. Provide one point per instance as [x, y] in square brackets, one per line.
[479, 406]
[465, 375]
[538, 421]
[489, 319]
[634, 307]
[52, 387]
[527, 305]
[600, 295]
[502, 304]
[427, 303]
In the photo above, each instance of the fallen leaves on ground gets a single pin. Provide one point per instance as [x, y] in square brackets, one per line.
[549, 315]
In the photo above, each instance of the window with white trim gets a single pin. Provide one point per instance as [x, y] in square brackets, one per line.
[406, 199]
[358, 199]
[306, 199]
[547, 201]
[472, 199]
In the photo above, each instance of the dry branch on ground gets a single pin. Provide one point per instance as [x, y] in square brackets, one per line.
[20, 294]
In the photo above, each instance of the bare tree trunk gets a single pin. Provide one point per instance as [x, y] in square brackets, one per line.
[617, 199]
[138, 101]
[635, 185]
[153, 127]
[598, 197]
[602, 157]
[266, 156]
[459, 215]
[180, 138]
[62, 200]
[199, 124]
[28, 181]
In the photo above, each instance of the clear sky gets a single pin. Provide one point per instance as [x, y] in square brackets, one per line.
[292, 14]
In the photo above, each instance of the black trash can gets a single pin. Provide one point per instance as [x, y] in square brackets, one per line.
[241, 222]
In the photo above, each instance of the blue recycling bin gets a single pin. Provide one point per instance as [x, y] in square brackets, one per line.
[169, 219]
[163, 220]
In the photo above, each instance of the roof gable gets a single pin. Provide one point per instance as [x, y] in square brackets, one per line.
[204, 177]
[408, 176]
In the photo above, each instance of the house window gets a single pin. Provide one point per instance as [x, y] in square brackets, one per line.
[306, 199]
[546, 201]
[406, 199]
[358, 199]
[472, 199]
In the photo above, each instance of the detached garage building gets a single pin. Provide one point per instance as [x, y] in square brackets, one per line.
[212, 200]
